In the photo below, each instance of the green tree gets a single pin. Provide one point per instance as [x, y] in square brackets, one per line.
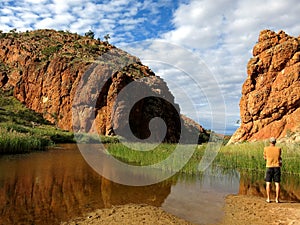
[107, 37]
[90, 34]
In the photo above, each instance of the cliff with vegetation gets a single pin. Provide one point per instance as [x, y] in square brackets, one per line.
[46, 70]
[270, 103]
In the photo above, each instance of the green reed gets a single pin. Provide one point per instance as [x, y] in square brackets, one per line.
[151, 154]
[291, 158]
[91, 138]
[17, 138]
[241, 157]
[141, 154]
[249, 156]
[14, 142]
[244, 156]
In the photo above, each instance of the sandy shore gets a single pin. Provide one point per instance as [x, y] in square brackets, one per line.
[250, 210]
[239, 210]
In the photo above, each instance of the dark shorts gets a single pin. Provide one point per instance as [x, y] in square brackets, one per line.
[273, 174]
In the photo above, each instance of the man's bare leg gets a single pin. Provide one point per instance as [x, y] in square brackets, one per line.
[268, 184]
[277, 185]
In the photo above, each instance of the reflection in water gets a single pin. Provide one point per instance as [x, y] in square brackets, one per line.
[54, 186]
[201, 200]
[254, 184]
[57, 185]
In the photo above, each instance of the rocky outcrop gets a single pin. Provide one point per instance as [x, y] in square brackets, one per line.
[74, 82]
[270, 102]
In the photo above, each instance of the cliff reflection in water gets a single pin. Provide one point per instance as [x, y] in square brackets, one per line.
[54, 186]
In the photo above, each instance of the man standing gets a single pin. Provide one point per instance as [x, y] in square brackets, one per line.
[272, 155]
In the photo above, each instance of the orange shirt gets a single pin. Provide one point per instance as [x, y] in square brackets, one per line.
[273, 156]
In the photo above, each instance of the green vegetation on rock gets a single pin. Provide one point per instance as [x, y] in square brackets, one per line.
[22, 130]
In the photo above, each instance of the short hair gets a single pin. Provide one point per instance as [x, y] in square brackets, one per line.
[272, 140]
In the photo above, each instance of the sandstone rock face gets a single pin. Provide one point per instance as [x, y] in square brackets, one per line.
[54, 73]
[271, 93]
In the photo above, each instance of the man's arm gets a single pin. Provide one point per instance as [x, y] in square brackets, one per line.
[280, 159]
[265, 154]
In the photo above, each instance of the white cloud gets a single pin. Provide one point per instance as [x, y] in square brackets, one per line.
[29, 17]
[7, 11]
[114, 17]
[35, 1]
[5, 20]
[81, 25]
[198, 23]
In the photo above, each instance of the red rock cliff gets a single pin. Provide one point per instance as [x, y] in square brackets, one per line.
[271, 93]
[47, 70]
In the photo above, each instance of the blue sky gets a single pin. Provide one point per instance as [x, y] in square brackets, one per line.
[199, 47]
